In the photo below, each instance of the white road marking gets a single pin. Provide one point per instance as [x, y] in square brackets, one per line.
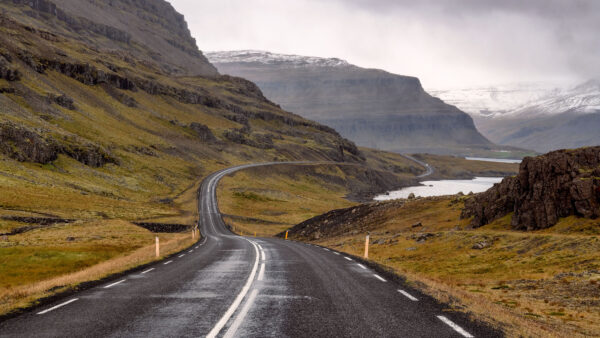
[240, 318]
[147, 270]
[236, 303]
[455, 327]
[379, 277]
[337, 253]
[191, 251]
[169, 262]
[57, 306]
[181, 255]
[264, 257]
[348, 258]
[362, 266]
[197, 246]
[325, 249]
[408, 295]
[113, 284]
[261, 273]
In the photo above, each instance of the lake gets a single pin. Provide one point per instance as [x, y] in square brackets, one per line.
[443, 187]
[499, 160]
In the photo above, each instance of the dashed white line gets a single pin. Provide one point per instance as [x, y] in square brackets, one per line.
[57, 306]
[261, 273]
[379, 277]
[240, 318]
[191, 251]
[455, 327]
[348, 258]
[362, 266]
[326, 249]
[236, 303]
[143, 272]
[337, 253]
[408, 295]
[169, 262]
[181, 255]
[113, 284]
[197, 246]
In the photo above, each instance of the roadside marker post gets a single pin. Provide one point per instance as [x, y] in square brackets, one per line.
[157, 247]
[255, 234]
[367, 247]
[286, 232]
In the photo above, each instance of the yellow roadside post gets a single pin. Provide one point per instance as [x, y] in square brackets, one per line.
[367, 247]
[286, 232]
[157, 247]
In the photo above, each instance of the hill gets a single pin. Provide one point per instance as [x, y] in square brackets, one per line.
[371, 107]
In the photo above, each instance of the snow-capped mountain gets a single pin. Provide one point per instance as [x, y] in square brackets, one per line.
[567, 117]
[268, 58]
[524, 99]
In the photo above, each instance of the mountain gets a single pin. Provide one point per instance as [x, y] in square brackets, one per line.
[371, 107]
[102, 117]
[150, 30]
[539, 117]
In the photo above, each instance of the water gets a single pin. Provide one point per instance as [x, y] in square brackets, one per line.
[443, 187]
[499, 160]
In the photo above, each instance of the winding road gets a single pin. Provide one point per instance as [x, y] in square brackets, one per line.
[232, 286]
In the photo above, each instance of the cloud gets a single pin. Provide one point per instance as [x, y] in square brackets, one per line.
[446, 43]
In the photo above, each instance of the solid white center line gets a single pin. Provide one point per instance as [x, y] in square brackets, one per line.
[240, 318]
[348, 258]
[238, 300]
[408, 295]
[261, 273]
[379, 277]
[113, 284]
[181, 255]
[455, 327]
[169, 262]
[147, 270]
[362, 266]
[57, 306]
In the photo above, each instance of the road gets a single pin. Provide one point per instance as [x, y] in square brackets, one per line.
[232, 286]
[428, 168]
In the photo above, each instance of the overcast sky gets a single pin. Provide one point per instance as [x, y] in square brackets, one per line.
[446, 43]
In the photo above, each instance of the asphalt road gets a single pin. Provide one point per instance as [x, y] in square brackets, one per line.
[428, 168]
[232, 286]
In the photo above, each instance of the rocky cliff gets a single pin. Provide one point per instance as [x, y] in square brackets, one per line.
[548, 187]
[372, 107]
[149, 30]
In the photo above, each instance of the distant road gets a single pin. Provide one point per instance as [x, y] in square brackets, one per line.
[428, 168]
[233, 286]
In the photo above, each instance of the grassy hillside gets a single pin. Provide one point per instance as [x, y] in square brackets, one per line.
[95, 139]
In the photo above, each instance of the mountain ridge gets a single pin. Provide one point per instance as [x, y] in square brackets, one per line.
[372, 107]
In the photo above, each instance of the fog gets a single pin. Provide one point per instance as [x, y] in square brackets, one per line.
[446, 43]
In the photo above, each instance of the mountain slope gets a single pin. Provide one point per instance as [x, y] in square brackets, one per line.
[150, 30]
[89, 132]
[371, 107]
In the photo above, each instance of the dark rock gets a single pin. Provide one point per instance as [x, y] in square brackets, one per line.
[481, 245]
[203, 132]
[416, 225]
[64, 101]
[421, 237]
[559, 184]
[70, 239]
[411, 196]
[164, 227]
[25, 145]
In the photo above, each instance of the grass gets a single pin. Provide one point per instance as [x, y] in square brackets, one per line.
[42, 262]
[268, 202]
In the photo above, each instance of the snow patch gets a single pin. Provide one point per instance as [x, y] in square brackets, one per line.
[268, 58]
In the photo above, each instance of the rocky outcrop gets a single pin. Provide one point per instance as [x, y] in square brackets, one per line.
[24, 145]
[559, 184]
[203, 132]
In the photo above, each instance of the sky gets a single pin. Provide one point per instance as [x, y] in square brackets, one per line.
[446, 43]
